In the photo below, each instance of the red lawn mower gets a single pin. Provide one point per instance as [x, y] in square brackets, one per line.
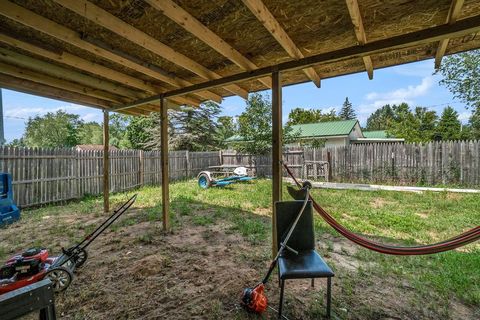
[35, 264]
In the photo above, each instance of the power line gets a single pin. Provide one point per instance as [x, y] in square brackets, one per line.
[13, 117]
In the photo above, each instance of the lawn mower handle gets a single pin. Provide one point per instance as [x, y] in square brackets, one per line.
[69, 253]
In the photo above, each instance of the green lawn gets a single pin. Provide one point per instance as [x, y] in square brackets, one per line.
[367, 284]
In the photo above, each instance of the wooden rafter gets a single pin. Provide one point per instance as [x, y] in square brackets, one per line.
[357, 22]
[44, 25]
[34, 76]
[452, 17]
[110, 91]
[420, 37]
[258, 8]
[184, 19]
[103, 18]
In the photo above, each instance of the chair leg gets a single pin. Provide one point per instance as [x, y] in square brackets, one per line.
[280, 305]
[329, 296]
[313, 282]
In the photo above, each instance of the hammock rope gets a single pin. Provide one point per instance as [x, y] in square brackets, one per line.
[449, 244]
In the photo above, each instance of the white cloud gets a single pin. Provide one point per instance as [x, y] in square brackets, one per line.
[27, 112]
[403, 93]
[464, 116]
[375, 100]
[418, 69]
[97, 117]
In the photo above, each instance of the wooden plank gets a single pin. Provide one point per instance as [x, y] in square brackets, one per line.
[185, 20]
[453, 13]
[165, 166]
[42, 24]
[23, 73]
[357, 22]
[258, 8]
[460, 28]
[106, 163]
[276, 151]
[103, 18]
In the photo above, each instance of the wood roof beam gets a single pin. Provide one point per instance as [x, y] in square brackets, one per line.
[421, 37]
[259, 10]
[184, 19]
[39, 89]
[453, 13]
[357, 22]
[154, 70]
[26, 74]
[105, 19]
[51, 28]
[51, 70]
[79, 63]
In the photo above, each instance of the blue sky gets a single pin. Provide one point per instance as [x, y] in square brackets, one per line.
[412, 83]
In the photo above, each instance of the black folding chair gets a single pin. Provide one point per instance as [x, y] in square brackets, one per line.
[307, 263]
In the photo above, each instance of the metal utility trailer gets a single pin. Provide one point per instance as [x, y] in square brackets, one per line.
[221, 176]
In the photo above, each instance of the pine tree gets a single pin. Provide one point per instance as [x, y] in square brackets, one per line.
[449, 127]
[474, 123]
[380, 119]
[347, 112]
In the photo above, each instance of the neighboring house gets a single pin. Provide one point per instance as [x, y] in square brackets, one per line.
[93, 147]
[330, 134]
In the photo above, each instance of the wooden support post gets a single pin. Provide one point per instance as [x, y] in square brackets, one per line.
[276, 150]
[164, 160]
[106, 163]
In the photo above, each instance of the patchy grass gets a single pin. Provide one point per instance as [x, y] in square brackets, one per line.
[223, 235]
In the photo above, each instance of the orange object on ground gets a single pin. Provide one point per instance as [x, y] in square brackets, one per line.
[254, 300]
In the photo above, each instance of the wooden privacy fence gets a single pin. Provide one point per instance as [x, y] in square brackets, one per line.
[42, 176]
[447, 162]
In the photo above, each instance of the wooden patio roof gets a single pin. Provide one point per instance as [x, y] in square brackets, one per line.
[125, 55]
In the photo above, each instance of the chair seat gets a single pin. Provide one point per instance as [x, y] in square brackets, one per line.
[307, 264]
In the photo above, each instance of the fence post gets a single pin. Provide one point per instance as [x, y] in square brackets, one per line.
[187, 158]
[141, 167]
[329, 160]
[220, 157]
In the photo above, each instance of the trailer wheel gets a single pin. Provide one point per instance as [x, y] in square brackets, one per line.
[61, 278]
[80, 258]
[204, 181]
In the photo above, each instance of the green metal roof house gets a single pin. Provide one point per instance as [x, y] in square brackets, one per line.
[332, 134]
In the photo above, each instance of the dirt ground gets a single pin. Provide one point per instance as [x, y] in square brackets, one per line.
[136, 271]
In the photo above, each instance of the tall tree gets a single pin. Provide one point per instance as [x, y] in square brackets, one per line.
[90, 133]
[118, 130]
[474, 123]
[52, 130]
[303, 116]
[193, 129]
[255, 126]
[227, 127]
[449, 127]
[461, 75]
[380, 119]
[139, 131]
[347, 112]
[426, 120]
[404, 124]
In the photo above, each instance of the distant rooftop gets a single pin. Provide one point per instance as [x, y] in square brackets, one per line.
[93, 147]
[324, 129]
[377, 134]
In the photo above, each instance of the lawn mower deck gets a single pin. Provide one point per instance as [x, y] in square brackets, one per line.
[35, 264]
